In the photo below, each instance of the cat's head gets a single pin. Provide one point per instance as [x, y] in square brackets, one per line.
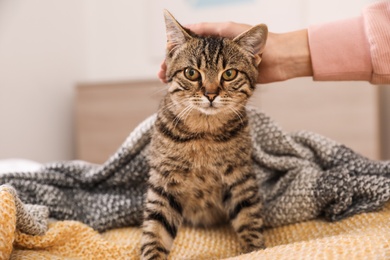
[212, 74]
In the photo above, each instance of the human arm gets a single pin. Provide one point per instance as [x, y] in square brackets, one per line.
[353, 49]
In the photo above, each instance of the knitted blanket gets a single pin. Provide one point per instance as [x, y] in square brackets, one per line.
[302, 176]
[363, 236]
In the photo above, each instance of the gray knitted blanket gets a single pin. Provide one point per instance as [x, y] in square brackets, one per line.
[302, 176]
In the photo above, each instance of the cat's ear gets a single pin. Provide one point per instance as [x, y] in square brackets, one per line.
[176, 34]
[253, 40]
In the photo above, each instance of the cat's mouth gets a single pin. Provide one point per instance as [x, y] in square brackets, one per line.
[210, 108]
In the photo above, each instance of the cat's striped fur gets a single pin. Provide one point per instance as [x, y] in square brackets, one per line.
[200, 153]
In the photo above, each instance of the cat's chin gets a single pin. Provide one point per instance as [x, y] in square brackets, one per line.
[210, 111]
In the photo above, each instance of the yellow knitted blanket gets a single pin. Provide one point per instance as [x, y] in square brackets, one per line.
[364, 236]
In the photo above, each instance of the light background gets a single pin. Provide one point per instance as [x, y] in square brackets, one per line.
[48, 46]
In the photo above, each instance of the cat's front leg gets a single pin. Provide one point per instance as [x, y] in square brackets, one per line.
[244, 207]
[162, 217]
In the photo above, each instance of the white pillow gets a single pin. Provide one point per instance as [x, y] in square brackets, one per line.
[18, 165]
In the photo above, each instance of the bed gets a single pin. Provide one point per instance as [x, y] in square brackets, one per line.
[364, 236]
[107, 112]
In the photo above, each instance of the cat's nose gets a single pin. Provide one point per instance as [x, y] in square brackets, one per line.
[211, 96]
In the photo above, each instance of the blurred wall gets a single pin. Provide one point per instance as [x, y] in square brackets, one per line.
[116, 45]
[42, 55]
[47, 46]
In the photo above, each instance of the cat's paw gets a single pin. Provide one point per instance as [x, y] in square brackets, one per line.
[250, 245]
[154, 255]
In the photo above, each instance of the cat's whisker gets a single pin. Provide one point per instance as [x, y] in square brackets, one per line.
[239, 115]
[171, 105]
[188, 112]
[181, 115]
[159, 90]
[178, 117]
[239, 106]
[252, 102]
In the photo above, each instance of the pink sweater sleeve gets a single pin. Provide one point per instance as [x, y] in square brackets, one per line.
[353, 49]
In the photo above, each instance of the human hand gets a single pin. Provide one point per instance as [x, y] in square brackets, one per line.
[285, 56]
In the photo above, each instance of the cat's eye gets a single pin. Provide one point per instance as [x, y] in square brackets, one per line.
[229, 74]
[191, 74]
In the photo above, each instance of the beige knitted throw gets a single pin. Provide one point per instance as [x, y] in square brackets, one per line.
[364, 236]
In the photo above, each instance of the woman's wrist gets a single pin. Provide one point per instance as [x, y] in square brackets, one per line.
[286, 56]
[295, 60]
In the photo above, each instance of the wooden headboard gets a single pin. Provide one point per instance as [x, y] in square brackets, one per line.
[107, 112]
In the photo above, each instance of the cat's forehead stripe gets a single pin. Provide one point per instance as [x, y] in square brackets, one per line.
[212, 51]
[201, 58]
[218, 52]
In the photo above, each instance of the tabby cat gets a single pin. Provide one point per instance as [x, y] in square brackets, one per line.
[200, 154]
